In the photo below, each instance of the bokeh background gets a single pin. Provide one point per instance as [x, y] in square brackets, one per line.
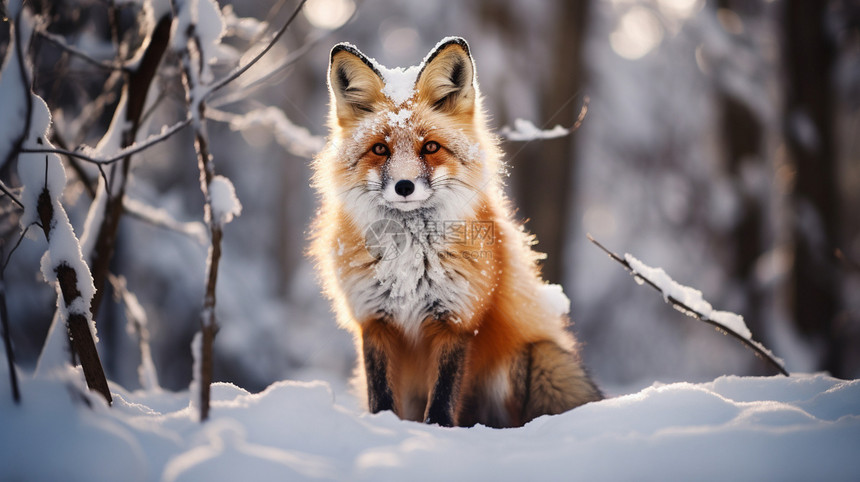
[720, 143]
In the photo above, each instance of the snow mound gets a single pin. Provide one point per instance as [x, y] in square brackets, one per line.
[803, 427]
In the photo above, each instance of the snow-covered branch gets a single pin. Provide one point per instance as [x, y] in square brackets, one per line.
[196, 43]
[295, 139]
[690, 302]
[524, 130]
[43, 179]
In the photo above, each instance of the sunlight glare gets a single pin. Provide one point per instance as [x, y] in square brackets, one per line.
[328, 14]
[599, 220]
[638, 32]
[680, 8]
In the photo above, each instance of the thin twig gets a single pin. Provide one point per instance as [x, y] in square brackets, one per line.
[17, 243]
[291, 59]
[160, 218]
[684, 308]
[5, 189]
[217, 85]
[123, 153]
[61, 43]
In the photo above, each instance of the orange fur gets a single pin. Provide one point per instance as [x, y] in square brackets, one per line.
[455, 329]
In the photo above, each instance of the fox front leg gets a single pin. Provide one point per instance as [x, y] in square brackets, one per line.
[446, 389]
[377, 345]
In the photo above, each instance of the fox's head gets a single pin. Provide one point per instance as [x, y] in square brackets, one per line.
[409, 141]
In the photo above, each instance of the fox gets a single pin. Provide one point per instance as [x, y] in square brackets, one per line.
[417, 248]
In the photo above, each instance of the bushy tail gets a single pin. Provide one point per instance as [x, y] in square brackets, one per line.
[556, 381]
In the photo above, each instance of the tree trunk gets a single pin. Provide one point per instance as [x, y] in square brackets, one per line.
[809, 59]
[544, 171]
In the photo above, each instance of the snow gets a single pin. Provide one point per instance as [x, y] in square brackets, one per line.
[399, 119]
[225, 204]
[399, 82]
[803, 427]
[525, 130]
[553, 297]
[44, 174]
[688, 296]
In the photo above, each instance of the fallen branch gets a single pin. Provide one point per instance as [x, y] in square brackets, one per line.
[679, 305]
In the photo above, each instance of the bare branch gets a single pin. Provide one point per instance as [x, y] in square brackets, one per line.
[162, 219]
[61, 43]
[290, 59]
[12, 251]
[217, 85]
[5, 189]
[150, 141]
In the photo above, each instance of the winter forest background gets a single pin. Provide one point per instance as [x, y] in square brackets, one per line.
[720, 143]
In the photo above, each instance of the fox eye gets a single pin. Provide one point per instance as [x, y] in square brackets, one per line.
[430, 147]
[380, 149]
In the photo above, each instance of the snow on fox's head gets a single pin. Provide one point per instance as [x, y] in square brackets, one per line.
[406, 140]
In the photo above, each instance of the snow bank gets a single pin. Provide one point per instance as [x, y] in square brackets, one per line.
[778, 428]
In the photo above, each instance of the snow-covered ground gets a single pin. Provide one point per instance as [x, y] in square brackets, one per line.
[803, 427]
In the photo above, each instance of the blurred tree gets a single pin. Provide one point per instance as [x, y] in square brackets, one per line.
[544, 170]
[743, 142]
[809, 55]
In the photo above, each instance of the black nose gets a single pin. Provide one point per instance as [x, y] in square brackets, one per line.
[404, 188]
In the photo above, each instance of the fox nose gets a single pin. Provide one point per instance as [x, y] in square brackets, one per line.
[404, 188]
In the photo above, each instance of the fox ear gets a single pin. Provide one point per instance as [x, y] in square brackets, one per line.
[447, 80]
[355, 85]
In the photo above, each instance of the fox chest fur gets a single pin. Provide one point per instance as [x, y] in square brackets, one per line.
[408, 271]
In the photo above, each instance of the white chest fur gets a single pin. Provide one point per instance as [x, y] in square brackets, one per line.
[410, 282]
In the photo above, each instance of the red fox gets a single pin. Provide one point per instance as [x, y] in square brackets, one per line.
[416, 247]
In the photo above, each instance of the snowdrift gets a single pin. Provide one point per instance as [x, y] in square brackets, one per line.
[803, 427]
